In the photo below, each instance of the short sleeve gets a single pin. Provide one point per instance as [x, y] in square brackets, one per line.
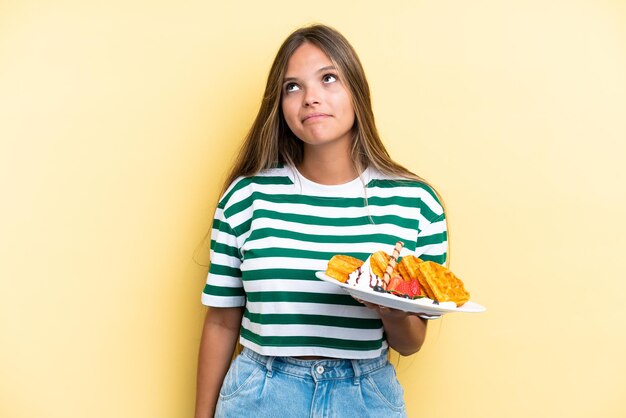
[224, 287]
[432, 240]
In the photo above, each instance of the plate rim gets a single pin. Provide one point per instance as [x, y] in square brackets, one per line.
[474, 308]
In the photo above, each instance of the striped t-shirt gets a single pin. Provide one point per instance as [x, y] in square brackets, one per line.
[274, 230]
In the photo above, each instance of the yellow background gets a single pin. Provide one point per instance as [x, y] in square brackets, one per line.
[119, 119]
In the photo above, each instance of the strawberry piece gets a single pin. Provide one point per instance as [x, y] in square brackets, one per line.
[404, 288]
[414, 288]
[394, 283]
[400, 287]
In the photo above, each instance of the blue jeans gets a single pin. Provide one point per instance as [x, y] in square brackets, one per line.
[284, 387]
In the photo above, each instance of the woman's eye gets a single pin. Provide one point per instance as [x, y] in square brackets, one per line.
[329, 78]
[289, 87]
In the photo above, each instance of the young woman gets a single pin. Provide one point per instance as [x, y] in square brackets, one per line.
[312, 180]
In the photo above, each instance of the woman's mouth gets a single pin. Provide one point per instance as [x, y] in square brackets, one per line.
[314, 116]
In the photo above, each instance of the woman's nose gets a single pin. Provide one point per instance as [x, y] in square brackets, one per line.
[312, 97]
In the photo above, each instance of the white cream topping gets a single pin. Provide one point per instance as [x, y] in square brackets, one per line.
[363, 277]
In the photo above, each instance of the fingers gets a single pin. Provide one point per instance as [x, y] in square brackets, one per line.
[425, 316]
[378, 308]
[390, 312]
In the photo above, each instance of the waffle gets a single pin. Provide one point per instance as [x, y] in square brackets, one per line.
[408, 267]
[442, 284]
[409, 270]
[340, 266]
[378, 263]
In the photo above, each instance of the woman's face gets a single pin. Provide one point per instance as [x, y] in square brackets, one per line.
[315, 103]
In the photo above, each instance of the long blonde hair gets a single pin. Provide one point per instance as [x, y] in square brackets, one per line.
[270, 142]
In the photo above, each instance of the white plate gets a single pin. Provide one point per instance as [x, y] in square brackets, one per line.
[422, 305]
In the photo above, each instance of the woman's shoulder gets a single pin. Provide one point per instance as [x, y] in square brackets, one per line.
[378, 179]
[399, 186]
[243, 186]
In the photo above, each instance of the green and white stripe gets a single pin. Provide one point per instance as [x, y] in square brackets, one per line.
[273, 231]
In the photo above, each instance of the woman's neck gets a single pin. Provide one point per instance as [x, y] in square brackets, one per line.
[327, 167]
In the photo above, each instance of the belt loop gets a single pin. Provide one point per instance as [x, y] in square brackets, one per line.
[268, 365]
[357, 372]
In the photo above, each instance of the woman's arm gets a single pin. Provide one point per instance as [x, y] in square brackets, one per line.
[405, 331]
[219, 337]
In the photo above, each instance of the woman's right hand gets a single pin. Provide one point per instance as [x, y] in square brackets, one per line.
[219, 338]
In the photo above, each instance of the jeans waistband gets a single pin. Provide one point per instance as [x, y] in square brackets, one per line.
[321, 369]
